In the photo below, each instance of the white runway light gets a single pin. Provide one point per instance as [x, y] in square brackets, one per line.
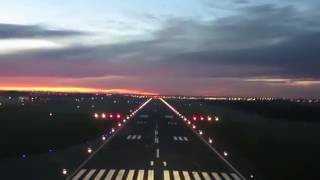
[225, 153]
[89, 150]
[64, 171]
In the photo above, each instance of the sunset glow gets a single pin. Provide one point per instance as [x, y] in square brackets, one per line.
[74, 90]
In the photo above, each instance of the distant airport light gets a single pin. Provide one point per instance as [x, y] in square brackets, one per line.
[64, 171]
[50, 114]
[96, 115]
[24, 156]
[119, 124]
[193, 126]
[89, 150]
[103, 138]
[209, 118]
[112, 130]
[210, 140]
[103, 115]
[216, 118]
[118, 116]
[200, 132]
[251, 176]
[225, 153]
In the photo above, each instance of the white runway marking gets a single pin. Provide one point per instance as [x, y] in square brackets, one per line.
[216, 176]
[82, 171]
[110, 174]
[206, 176]
[150, 175]
[196, 175]
[129, 137]
[134, 136]
[140, 175]
[186, 175]
[130, 174]
[176, 175]
[180, 138]
[235, 176]
[158, 153]
[120, 174]
[226, 176]
[87, 177]
[100, 174]
[166, 175]
[175, 138]
[164, 163]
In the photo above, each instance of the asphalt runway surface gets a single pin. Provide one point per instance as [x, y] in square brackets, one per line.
[155, 144]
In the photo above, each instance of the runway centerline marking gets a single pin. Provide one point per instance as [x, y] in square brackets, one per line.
[158, 153]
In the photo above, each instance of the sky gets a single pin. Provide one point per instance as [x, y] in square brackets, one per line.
[177, 47]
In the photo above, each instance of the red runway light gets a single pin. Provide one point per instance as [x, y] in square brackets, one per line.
[201, 118]
[194, 118]
[118, 116]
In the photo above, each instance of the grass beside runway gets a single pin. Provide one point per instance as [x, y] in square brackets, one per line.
[28, 127]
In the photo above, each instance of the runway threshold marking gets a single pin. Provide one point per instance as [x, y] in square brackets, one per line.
[100, 174]
[196, 175]
[226, 176]
[130, 174]
[140, 175]
[216, 176]
[79, 174]
[150, 174]
[176, 175]
[110, 174]
[186, 175]
[120, 174]
[206, 176]
[235, 176]
[88, 176]
[166, 175]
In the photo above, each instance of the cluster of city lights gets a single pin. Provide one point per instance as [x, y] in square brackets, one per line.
[112, 132]
[199, 132]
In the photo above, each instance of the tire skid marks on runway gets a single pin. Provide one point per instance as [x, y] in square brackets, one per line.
[134, 137]
[202, 175]
[180, 138]
[113, 174]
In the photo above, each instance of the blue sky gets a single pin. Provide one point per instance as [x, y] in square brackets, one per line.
[167, 47]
